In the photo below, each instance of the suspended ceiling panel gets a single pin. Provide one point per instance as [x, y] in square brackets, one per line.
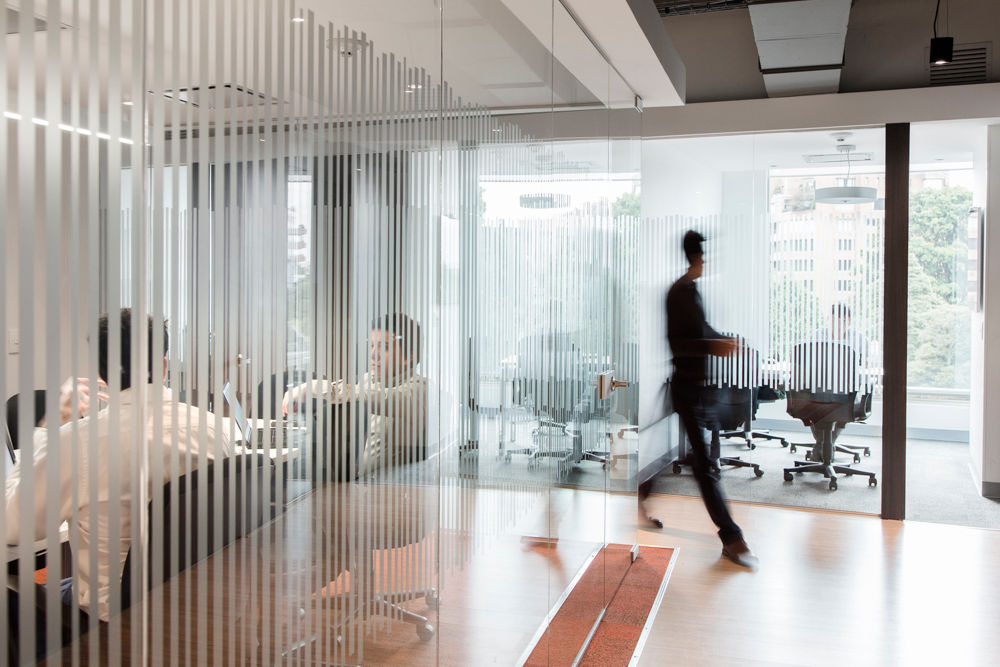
[799, 35]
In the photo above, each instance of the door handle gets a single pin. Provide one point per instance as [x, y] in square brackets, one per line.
[606, 384]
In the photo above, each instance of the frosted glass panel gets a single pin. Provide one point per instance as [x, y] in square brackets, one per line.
[282, 294]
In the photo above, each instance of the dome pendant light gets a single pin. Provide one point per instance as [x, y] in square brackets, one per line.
[846, 193]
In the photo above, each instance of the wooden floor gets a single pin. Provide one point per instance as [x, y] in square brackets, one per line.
[832, 589]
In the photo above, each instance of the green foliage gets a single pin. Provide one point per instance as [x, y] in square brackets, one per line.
[939, 344]
[626, 205]
[939, 238]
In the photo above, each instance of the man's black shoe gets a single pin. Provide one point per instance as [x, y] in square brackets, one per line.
[740, 553]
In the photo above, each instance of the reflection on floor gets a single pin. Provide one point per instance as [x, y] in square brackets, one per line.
[492, 605]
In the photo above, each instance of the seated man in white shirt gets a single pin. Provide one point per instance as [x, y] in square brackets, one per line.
[88, 455]
[394, 395]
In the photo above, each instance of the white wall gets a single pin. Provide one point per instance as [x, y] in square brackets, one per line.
[50, 342]
[976, 328]
[991, 322]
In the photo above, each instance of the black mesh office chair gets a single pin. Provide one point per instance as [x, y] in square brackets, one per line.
[12, 413]
[826, 389]
[731, 405]
[737, 384]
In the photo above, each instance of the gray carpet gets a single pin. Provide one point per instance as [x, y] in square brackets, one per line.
[940, 486]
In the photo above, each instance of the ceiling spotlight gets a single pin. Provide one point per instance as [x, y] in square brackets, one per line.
[128, 103]
[941, 47]
[941, 50]
[298, 19]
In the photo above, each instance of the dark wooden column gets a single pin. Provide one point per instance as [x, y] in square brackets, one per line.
[897, 232]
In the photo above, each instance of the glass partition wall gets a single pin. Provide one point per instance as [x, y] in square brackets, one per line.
[793, 269]
[340, 328]
[945, 325]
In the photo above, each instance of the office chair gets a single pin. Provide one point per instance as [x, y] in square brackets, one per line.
[549, 383]
[12, 412]
[732, 401]
[193, 496]
[738, 381]
[273, 408]
[726, 410]
[390, 542]
[826, 389]
[814, 455]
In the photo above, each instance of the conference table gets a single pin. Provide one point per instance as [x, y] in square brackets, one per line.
[289, 589]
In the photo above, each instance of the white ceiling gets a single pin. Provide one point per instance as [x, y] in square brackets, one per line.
[501, 54]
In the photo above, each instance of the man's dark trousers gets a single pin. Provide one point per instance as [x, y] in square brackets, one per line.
[690, 400]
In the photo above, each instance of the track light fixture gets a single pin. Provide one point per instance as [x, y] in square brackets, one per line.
[941, 47]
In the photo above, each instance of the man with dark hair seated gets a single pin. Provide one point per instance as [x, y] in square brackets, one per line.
[89, 455]
[395, 396]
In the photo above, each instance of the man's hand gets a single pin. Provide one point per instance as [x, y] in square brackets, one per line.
[293, 397]
[723, 347]
[77, 390]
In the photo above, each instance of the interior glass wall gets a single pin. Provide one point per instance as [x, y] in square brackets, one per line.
[793, 271]
[947, 218]
[359, 408]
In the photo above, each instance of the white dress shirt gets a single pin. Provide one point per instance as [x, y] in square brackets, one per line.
[87, 477]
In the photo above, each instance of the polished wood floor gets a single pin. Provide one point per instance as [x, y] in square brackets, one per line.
[832, 589]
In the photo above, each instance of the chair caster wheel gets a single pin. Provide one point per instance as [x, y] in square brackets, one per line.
[857, 459]
[784, 443]
[788, 476]
[751, 445]
[433, 601]
[506, 458]
[677, 468]
[872, 481]
[758, 472]
[833, 485]
[425, 632]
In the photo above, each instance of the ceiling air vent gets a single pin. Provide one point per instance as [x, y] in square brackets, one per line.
[970, 64]
[682, 7]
